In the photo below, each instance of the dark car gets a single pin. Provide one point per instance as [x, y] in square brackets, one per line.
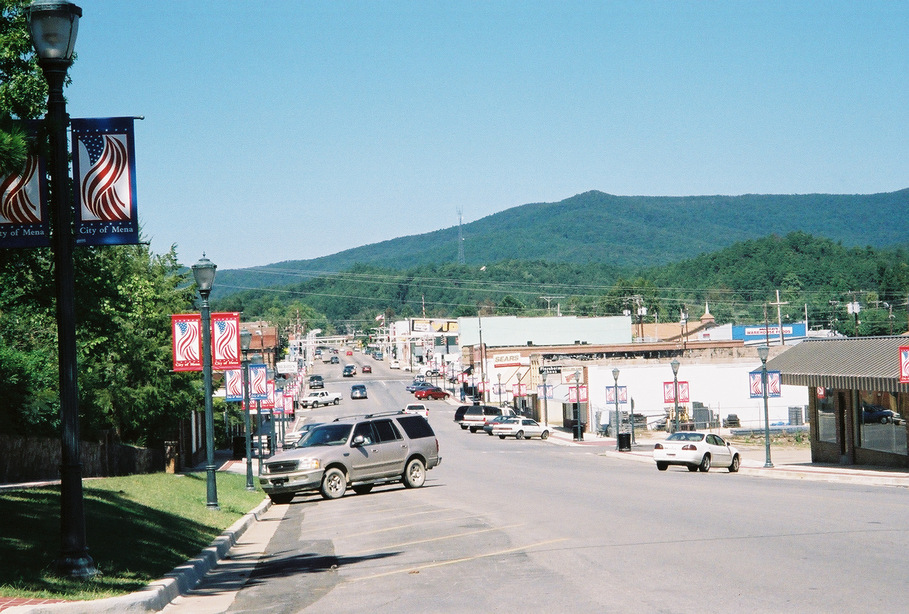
[315, 381]
[419, 386]
[358, 391]
[366, 369]
[433, 392]
[875, 413]
[349, 371]
[334, 360]
[460, 411]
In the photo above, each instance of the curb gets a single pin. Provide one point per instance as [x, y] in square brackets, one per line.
[157, 595]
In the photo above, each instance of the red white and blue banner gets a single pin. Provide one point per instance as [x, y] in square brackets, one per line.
[104, 169]
[669, 392]
[904, 365]
[187, 351]
[269, 402]
[774, 388]
[573, 394]
[23, 204]
[225, 341]
[233, 385]
[257, 378]
[610, 394]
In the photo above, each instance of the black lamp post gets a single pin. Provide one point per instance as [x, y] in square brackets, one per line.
[245, 338]
[53, 27]
[763, 353]
[618, 416]
[675, 382]
[204, 273]
[579, 430]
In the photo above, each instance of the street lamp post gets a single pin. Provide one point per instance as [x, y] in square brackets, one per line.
[579, 430]
[53, 27]
[500, 389]
[618, 416]
[763, 352]
[545, 402]
[675, 382]
[204, 273]
[245, 338]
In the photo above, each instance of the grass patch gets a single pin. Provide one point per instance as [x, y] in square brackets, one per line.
[796, 439]
[138, 528]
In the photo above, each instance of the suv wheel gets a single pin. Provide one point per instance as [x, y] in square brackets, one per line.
[334, 484]
[414, 474]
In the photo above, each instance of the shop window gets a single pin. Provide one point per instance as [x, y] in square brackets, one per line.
[826, 418]
[882, 423]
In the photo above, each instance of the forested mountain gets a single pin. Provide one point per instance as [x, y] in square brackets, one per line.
[620, 231]
[738, 282]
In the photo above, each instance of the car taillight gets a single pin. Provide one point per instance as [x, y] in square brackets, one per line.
[689, 447]
[437, 446]
[658, 446]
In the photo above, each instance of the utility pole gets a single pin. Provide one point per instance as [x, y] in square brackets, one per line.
[549, 300]
[779, 316]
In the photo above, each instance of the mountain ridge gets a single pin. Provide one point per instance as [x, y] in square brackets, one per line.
[626, 231]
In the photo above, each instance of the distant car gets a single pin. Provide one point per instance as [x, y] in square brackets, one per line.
[366, 369]
[460, 411]
[394, 364]
[349, 371]
[418, 386]
[476, 416]
[349, 353]
[418, 409]
[519, 428]
[431, 393]
[493, 421]
[875, 413]
[358, 391]
[334, 360]
[696, 451]
[432, 373]
[316, 381]
[378, 355]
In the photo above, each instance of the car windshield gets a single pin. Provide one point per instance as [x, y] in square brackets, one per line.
[328, 435]
[682, 436]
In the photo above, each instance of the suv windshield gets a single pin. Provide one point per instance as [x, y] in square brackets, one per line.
[328, 435]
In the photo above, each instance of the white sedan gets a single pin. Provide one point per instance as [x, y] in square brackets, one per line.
[519, 428]
[696, 451]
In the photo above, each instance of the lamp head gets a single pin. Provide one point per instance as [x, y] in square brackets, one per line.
[204, 273]
[245, 338]
[53, 26]
[763, 352]
[615, 374]
[675, 367]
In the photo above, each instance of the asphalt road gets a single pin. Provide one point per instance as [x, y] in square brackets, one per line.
[530, 526]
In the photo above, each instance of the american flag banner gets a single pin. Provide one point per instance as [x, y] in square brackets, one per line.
[610, 394]
[904, 365]
[233, 385]
[187, 328]
[104, 168]
[774, 389]
[269, 402]
[288, 403]
[257, 378]
[225, 341]
[669, 392]
[23, 203]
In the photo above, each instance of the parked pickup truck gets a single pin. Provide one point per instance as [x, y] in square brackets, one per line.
[320, 397]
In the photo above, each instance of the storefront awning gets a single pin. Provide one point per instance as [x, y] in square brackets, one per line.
[855, 363]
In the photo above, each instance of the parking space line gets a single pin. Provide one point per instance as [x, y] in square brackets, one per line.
[432, 539]
[456, 561]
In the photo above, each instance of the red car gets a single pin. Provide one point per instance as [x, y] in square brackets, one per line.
[431, 393]
[366, 369]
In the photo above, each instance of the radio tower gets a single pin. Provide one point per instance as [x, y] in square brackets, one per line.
[460, 238]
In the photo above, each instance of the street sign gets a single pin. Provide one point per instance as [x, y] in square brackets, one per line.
[550, 369]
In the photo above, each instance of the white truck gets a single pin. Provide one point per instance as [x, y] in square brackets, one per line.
[320, 397]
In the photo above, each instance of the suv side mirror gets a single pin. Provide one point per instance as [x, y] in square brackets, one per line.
[358, 441]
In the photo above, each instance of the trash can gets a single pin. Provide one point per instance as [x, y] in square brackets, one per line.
[624, 442]
[239, 448]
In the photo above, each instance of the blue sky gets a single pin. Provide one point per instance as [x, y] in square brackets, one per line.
[290, 130]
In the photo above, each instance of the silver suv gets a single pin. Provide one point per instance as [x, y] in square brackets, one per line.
[359, 451]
